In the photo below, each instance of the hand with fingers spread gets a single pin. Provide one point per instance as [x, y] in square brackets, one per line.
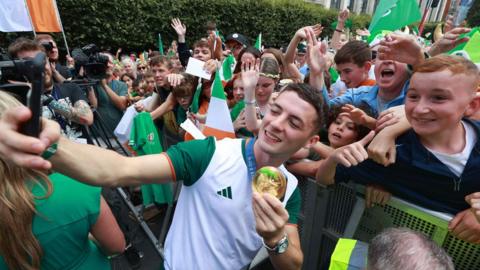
[376, 195]
[24, 151]
[402, 48]
[316, 53]
[450, 40]
[352, 154]
[174, 79]
[465, 226]
[317, 30]
[180, 28]
[474, 201]
[270, 218]
[250, 75]
[358, 116]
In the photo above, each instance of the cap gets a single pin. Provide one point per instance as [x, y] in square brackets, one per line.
[238, 38]
[302, 47]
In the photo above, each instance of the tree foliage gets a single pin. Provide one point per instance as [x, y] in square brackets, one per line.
[135, 24]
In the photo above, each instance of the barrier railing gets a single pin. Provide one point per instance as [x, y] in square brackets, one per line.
[339, 211]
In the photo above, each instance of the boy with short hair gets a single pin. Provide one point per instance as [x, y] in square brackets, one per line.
[438, 161]
[353, 62]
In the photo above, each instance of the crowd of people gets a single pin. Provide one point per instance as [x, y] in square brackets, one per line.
[395, 115]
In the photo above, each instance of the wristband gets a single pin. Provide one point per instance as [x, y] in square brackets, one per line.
[50, 151]
[253, 102]
[338, 30]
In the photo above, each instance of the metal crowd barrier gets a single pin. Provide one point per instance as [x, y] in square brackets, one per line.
[339, 211]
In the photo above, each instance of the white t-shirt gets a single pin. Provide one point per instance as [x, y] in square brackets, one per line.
[456, 162]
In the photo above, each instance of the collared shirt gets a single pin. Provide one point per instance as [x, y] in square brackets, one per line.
[366, 95]
[420, 177]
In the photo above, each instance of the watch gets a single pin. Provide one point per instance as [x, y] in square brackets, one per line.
[280, 247]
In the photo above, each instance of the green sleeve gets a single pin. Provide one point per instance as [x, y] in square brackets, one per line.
[294, 204]
[191, 159]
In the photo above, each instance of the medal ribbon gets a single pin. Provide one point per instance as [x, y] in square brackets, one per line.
[251, 163]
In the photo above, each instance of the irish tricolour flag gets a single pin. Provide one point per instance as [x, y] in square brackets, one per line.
[218, 124]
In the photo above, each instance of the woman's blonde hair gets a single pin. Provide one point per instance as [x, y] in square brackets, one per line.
[18, 246]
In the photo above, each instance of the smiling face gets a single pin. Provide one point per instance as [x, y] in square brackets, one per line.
[286, 128]
[390, 75]
[437, 101]
[342, 131]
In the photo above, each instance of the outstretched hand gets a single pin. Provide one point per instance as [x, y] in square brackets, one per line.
[317, 30]
[450, 40]
[343, 15]
[353, 154]
[402, 48]
[316, 52]
[22, 150]
[179, 27]
[250, 75]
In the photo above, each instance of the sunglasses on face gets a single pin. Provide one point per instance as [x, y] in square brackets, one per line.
[142, 68]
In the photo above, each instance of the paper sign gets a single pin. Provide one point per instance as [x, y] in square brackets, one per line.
[190, 127]
[195, 68]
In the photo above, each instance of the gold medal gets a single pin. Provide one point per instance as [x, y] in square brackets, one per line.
[270, 180]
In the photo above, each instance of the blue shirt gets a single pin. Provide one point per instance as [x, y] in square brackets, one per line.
[419, 177]
[365, 95]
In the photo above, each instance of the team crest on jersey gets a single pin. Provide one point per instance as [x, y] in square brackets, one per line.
[150, 137]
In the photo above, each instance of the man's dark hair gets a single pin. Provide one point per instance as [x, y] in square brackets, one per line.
[311, 96]
[24, 45]
[355, 51]
[402, 248]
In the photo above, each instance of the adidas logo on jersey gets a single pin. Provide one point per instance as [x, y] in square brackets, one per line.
[226, 192]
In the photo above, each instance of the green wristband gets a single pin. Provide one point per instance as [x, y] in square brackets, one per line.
[50, 151]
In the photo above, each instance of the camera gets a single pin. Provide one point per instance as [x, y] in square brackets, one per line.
[48, 46]
[29, 70]
[93, 62]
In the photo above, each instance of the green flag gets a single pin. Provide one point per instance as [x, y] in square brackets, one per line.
[258, 42]
[160, 44]
[470, 49]
[394, 14]
[227, 66]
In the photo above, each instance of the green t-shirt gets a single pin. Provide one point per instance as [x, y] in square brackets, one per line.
[191, 159]
[144, 140]
[62, 224]
[110, 114]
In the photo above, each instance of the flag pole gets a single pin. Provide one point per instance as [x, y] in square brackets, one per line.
[30, 18]
[424, 18]
[61, 27]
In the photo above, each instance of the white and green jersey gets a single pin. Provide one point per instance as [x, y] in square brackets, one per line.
[214, 225]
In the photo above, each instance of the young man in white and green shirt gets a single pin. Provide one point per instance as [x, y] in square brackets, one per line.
[219, 223]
